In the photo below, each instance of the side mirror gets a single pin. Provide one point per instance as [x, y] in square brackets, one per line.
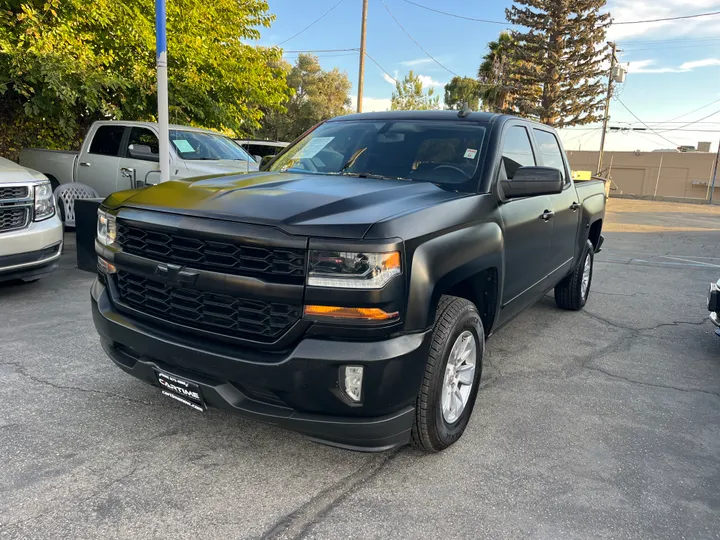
[258, 159]
[265, 162]
[142, 151]
[531, 181]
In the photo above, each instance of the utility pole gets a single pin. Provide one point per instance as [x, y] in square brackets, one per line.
[714, 176]
[162, 90]
[607, 106]
[361, 75]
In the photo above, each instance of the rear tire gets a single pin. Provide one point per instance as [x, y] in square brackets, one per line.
[457, 330]
[573, 291]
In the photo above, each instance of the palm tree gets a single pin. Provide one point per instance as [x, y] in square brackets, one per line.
[494, 74]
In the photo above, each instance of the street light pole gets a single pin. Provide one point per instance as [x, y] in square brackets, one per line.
[607, 107]
[162, 90]
[361, 75]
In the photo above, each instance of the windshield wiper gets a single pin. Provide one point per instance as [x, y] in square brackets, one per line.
[372, 175]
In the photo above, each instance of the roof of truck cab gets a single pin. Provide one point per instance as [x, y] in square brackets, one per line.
[479, 116]
[154, 124]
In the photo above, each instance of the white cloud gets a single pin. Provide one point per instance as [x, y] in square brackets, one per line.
[427, 81]
[417, 62]
[371, 104]
[388, 78]
[701, 63]
[638, 10]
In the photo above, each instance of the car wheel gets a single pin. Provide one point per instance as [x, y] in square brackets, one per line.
[572, 292]
[452, 375]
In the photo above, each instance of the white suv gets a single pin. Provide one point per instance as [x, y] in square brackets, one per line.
[31, 233]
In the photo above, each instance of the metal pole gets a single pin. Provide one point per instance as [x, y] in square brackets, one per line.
[657, 181]
[607, 108]
[361, 74]
[714, 176]
[162, 90]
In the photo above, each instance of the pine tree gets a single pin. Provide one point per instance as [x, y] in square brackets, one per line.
[409, 95]
[562, 56]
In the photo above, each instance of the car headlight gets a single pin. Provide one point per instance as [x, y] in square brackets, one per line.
[106, 228]
[351, 270]
[44, 202]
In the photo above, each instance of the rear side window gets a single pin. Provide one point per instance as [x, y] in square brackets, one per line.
[261, 150]
[517, 151]
[106, 141]
[550, 152]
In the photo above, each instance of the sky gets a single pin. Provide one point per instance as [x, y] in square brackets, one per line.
[673, 67]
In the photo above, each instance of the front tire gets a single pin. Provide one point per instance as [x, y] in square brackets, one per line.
[572, 292]
[452, 375]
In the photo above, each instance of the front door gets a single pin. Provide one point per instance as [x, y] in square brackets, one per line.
[97, 164]
[528, 236]
[134, 170]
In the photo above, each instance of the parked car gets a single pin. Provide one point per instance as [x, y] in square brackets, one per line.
[31, 234]
[713, 305]
[346, 292]
[258, 149]
[124, 155]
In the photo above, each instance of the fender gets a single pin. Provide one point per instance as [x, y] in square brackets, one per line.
[442, 262]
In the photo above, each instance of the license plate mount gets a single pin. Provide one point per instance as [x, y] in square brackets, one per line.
[177, 388]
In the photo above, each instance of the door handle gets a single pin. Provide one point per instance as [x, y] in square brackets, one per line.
[546, 215]
[574, 206]
[127, 172]
[84, 164]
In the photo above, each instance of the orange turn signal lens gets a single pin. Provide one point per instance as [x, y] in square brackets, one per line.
[362, 314]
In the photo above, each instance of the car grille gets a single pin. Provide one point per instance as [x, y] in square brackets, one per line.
[224, 314]
[222, 256]
[12, 218]
[14, 192]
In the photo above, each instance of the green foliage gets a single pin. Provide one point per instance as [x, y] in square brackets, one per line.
[316, 95]
[66, 63]
[462, 90]
[557, 63]
[410, 96]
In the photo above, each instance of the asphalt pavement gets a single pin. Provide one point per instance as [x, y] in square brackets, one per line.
[598, 424]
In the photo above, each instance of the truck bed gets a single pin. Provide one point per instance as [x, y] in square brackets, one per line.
[57, 165]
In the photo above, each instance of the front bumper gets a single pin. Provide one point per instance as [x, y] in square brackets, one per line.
[297, 389]
[713, 304]
[31, 252]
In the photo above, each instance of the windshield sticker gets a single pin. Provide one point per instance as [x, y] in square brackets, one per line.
[183, 146]
[470, 153]
[313, 147]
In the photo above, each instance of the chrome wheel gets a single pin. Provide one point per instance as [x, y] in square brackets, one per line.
[459, 377]
[586, 276]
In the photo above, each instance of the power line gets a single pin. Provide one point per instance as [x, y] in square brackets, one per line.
[457, 16]
[320, 50]
[688, 113]
[673, 47]
[644, 124]
[691, 123]
[708, 14]
[670, 40]
[381, 68]
[415, 41]
[312, 23]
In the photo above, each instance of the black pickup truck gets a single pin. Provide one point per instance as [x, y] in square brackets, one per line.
[346, 290]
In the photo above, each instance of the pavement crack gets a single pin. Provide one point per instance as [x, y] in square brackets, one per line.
[23, 372]
[296, 524]
[653, 385]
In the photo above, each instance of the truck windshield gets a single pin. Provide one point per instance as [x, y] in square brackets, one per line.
[441, 152]
[198, 145]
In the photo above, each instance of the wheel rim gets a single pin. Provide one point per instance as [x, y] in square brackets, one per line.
[586, 276]
[459, 376]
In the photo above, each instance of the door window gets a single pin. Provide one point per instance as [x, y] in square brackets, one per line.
[550, 152]
[106, 141]
[517, 151]
[143, 136]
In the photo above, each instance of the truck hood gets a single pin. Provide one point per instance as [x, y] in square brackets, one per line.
[12, 172]
[313, 204]
[219, 166]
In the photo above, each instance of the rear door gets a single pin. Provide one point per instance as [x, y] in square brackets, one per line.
[565, 205]
[99, 160]
[137, 172]
[527, 236]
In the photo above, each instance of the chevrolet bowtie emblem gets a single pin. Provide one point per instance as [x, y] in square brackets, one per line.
[176, 274]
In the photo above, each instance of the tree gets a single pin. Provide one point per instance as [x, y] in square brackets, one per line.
[562, 54]
[462, 90]
[410, 96]
[66, 63]
[316, 95]
[494, 74]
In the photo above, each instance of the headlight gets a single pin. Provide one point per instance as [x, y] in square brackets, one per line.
[44, 202]
[106, 228]
[352, 270]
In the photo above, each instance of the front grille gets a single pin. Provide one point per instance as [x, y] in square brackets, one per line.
[222, 256]
[14, 192]
[12, 218]
[224, 314]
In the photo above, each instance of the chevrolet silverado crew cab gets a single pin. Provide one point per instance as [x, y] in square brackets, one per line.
[31, 234]
[347, 290]
[123, 155]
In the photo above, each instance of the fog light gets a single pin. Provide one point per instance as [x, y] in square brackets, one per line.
[106, 267]
[351, 378]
